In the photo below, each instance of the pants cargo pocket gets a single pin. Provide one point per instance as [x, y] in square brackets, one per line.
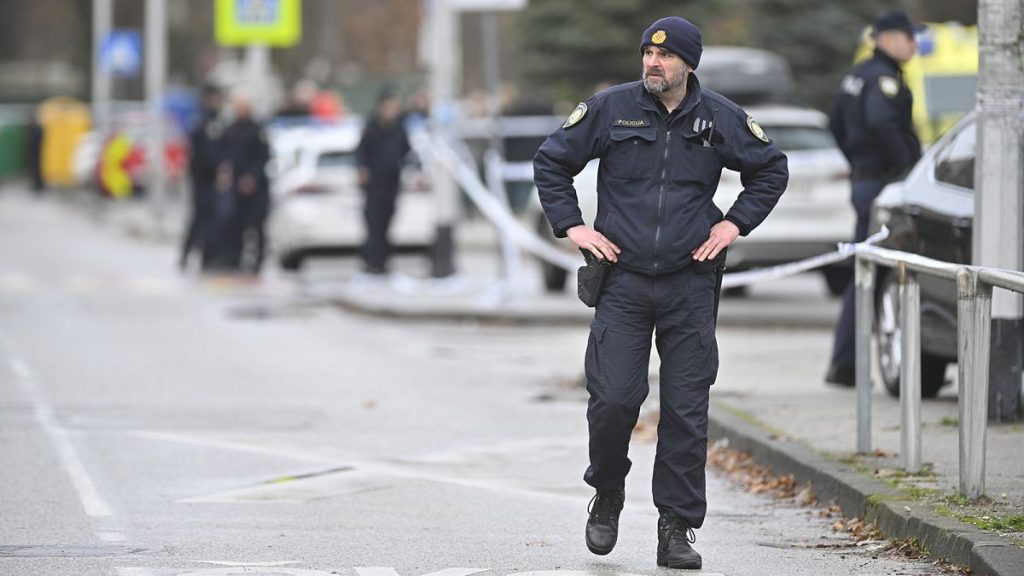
[709, 346]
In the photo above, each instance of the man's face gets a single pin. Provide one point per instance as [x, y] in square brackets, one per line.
[663, 70]
[897, 44]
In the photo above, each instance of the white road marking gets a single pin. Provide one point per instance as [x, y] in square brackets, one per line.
[92, 502]
[256, 570]
[379, 467]
[261, 564]
[134, 572]
[112, 536]
[383, 571]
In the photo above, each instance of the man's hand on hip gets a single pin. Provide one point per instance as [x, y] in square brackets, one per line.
[589, 239]
[722, 235]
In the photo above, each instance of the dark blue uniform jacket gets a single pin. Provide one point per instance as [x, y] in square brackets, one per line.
[658, 172]
[871, 120]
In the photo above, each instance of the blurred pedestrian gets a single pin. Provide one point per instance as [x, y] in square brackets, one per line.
[521, 149]
[871, 120]
[299, 100]
[207, 153]
[248, 153]
[34, 151]
[663, 142]
[380, 156]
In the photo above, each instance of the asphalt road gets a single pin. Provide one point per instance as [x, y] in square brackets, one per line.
[158, 424]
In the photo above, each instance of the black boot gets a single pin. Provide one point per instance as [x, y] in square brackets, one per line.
[603, 525]
[674, 538]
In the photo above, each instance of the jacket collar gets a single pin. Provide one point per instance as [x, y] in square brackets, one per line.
[647, 101]
[888, 60]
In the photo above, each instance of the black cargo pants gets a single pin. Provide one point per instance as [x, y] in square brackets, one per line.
[678, 309]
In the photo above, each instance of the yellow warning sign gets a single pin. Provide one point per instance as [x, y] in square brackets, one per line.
[269, 22]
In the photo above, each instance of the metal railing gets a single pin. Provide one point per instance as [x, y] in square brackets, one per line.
[974, 315]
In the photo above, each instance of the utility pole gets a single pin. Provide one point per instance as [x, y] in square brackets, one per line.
[998, 234]
[446, 63]
[102, 22]
[156, 74]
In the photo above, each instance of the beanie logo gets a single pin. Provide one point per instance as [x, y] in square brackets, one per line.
[576, 116]
[658, 37]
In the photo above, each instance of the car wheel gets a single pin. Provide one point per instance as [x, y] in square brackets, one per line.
[890, 353]
[837, 278]
[292, 262]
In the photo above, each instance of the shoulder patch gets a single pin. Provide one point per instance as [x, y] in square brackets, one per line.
[889, 86]
[576, 116]
[756, 130]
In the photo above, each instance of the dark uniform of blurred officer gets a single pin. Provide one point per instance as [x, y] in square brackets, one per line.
[380, 156]
[207, 153]
[248, 154]
[871, 120]
[663, 142]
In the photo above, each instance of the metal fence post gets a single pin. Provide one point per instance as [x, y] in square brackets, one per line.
[865, 312]
[910, 369]
[974, 313]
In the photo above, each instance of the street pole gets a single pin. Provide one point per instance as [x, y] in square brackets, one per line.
[102, 22]
[257, 70]
[999, 178]
[444, 76]
[156, 74]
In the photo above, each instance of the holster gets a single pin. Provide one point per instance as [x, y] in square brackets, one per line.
[591, 278]
[717, 267]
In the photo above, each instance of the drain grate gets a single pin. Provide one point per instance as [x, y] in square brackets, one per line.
[67, 551]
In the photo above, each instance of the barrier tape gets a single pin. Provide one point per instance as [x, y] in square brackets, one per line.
[500, 215]
[842, 252]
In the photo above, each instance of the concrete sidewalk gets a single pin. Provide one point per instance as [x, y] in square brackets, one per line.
[770, 401]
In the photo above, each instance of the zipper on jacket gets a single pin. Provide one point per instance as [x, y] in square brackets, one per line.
[661, 197]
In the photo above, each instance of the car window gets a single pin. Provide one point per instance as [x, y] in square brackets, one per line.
[335, 159]
[793, 138]
[954, 164]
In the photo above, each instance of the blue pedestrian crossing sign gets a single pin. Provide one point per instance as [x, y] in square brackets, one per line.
[270, 22]
[121, 53]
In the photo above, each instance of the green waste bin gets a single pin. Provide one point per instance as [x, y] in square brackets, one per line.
[12, 149]
[14, 121]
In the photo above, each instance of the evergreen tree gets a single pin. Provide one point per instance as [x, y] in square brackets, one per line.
[571, 46]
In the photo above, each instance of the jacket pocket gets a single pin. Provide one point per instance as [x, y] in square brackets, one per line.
[631, 155]
[697, 164]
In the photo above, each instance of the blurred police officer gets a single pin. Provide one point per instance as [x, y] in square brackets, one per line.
[871, 120]
[207, 153]
[380, 156]
[663, 142]
[248, 154]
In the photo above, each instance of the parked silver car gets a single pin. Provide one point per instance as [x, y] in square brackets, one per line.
[929, 213]
[318, 203]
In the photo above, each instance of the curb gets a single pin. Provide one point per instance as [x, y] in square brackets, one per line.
[527, 314]
[986, 554]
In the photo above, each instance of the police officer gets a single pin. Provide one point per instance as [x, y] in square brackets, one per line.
[380, 156]
[871, 120]
[663, 142]
[207, 153]
[248, 154]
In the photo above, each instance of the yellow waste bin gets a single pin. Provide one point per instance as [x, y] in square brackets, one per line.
[64, 121]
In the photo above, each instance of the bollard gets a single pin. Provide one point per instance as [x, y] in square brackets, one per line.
[974, 312]
[865, 312]
[910, 369]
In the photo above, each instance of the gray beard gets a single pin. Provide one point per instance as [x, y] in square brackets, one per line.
[655, 85]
